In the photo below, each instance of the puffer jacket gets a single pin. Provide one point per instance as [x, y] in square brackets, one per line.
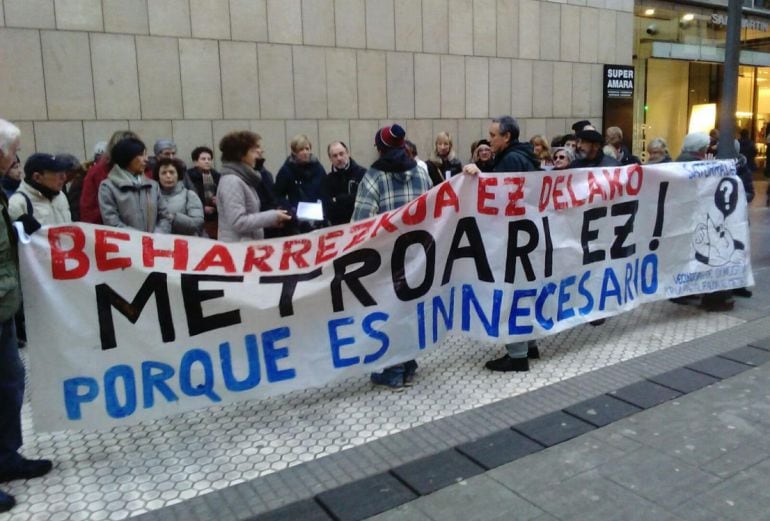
[129, 201]
[184, 209]
[239, 206]
[44, 210]
[10, 293]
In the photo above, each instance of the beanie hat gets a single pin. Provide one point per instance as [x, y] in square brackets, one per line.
[162, 144]
[390, 137]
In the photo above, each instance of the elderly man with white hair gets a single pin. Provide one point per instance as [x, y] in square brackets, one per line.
[12, 464]
[694, 147]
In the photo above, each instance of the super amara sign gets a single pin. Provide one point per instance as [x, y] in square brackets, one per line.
[126, 326]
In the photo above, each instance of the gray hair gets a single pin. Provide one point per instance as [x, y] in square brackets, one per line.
[567, 151]
[8, 134]
[658, 142]
[695, 142]
[163, 144]
[508, 125]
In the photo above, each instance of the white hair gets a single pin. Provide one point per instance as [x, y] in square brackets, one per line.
[8, 134]
[695, 142]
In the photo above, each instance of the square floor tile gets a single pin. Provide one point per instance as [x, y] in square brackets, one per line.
[429, 474]
[499, 448]
[748, 355]
[553, 428]
[366, 497]
[307, 510]
[762, 343]
[718, 367]
[602, 410]
[645, 394]
[684, 380]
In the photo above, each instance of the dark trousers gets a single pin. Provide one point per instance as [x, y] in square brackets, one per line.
[11, 394]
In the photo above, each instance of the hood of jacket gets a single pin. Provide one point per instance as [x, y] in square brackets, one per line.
[524, 152]
[395, 161]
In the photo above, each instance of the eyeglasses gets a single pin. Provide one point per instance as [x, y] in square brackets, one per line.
[557, 157]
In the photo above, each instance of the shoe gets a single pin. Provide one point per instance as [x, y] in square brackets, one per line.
[533, 352]
[742, 292]
[506, 364]
[684, 301]
[410, 370]
[27, 469]
[380, 380]
[598, 322]
[409, 379]
[7, 501]
[719, 306]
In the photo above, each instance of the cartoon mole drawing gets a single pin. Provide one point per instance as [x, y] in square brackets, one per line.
[714, 244]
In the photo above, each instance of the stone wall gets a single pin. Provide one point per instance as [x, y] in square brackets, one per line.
[73, 71]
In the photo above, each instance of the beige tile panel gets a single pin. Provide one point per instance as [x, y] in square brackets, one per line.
[329, 131]
[507, 28]
[521, 88]
[68, 79]
[485, 27]
[55, 137]
[240, 79]
[400, 84]
[624, 38]
[372, 89]
[420, 132]
[28, 145]
[210, 19]
[562, 89]
[248, 20]
[362, 140]
[160, 84]
[126, 16]
[341, 83]
[150, 131]
[570, 33]
[468, 131]
[581, 90]
[284, 21]
[427, 86]
[169, 17]
[350, 23]
[201, 87]
[435, 26]
[2, 15]
[532, 127]
[79, 15]
[452, 87]
[408, 19]
[318, 22]
[307, 127]
[529, 29]
[596, 92]
[550, 26]
[557, 127]
[542, 80]
[189, 134]
[461, 27]
[607, 33]
[116, 86]
[274, 144]
[310, 82]
[29, 13]
[276, 83]
[476, 87]
[589, 35]
[380, 25]
[95, 131]
[220, 127]
[499, 87]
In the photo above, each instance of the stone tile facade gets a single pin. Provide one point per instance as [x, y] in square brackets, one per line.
[335, 69]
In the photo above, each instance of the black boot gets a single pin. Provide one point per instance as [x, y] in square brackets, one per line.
[506, 364]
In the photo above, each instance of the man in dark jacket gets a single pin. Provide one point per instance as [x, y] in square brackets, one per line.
[589, 150]
[510, 156]
[338, 188]
[203, 179]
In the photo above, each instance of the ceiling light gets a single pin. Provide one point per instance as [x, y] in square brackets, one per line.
[649, 12]
[689, 17]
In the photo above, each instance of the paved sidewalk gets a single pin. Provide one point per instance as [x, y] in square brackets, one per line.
[702, 457]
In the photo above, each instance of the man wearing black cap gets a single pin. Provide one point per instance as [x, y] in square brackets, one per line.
[589, 150]
[40, 194]
[391, 182]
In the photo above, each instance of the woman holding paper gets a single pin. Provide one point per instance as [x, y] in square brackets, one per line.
[238, 193]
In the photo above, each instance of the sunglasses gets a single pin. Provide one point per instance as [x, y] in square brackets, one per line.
[556, 157]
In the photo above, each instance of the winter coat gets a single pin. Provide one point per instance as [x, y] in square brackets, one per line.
[10, 292]
[129, 201]
[239, 207]
[89, 197]
[437, 169]
[184, 209]
[194, 181]
[339, 189]
[297, 182]
[518, 157]
[600, 160]
[45, 211]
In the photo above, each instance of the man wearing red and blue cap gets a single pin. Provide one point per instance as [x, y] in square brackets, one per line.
[391, 182]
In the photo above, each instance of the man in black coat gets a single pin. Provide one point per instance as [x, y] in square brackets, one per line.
[339, 187]
[589, 150]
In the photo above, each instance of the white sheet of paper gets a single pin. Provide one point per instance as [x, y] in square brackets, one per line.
[310, 211]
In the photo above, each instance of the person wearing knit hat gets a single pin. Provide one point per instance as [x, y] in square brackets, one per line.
[392, 181]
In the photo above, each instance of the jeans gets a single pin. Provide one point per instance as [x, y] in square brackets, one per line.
[11, 394]
[394, 375]
[519, 349]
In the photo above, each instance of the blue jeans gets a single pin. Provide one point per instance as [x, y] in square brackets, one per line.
[394, 375]
[519, 349]
[11, 394]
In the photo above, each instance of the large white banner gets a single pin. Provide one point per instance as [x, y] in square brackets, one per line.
[127, 326]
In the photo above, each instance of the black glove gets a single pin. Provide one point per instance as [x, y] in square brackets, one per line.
[31, 225]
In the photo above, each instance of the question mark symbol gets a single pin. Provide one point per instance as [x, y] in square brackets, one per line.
[726, 196]
[727, 190]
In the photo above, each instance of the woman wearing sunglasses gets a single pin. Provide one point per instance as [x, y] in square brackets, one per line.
[562, 158]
